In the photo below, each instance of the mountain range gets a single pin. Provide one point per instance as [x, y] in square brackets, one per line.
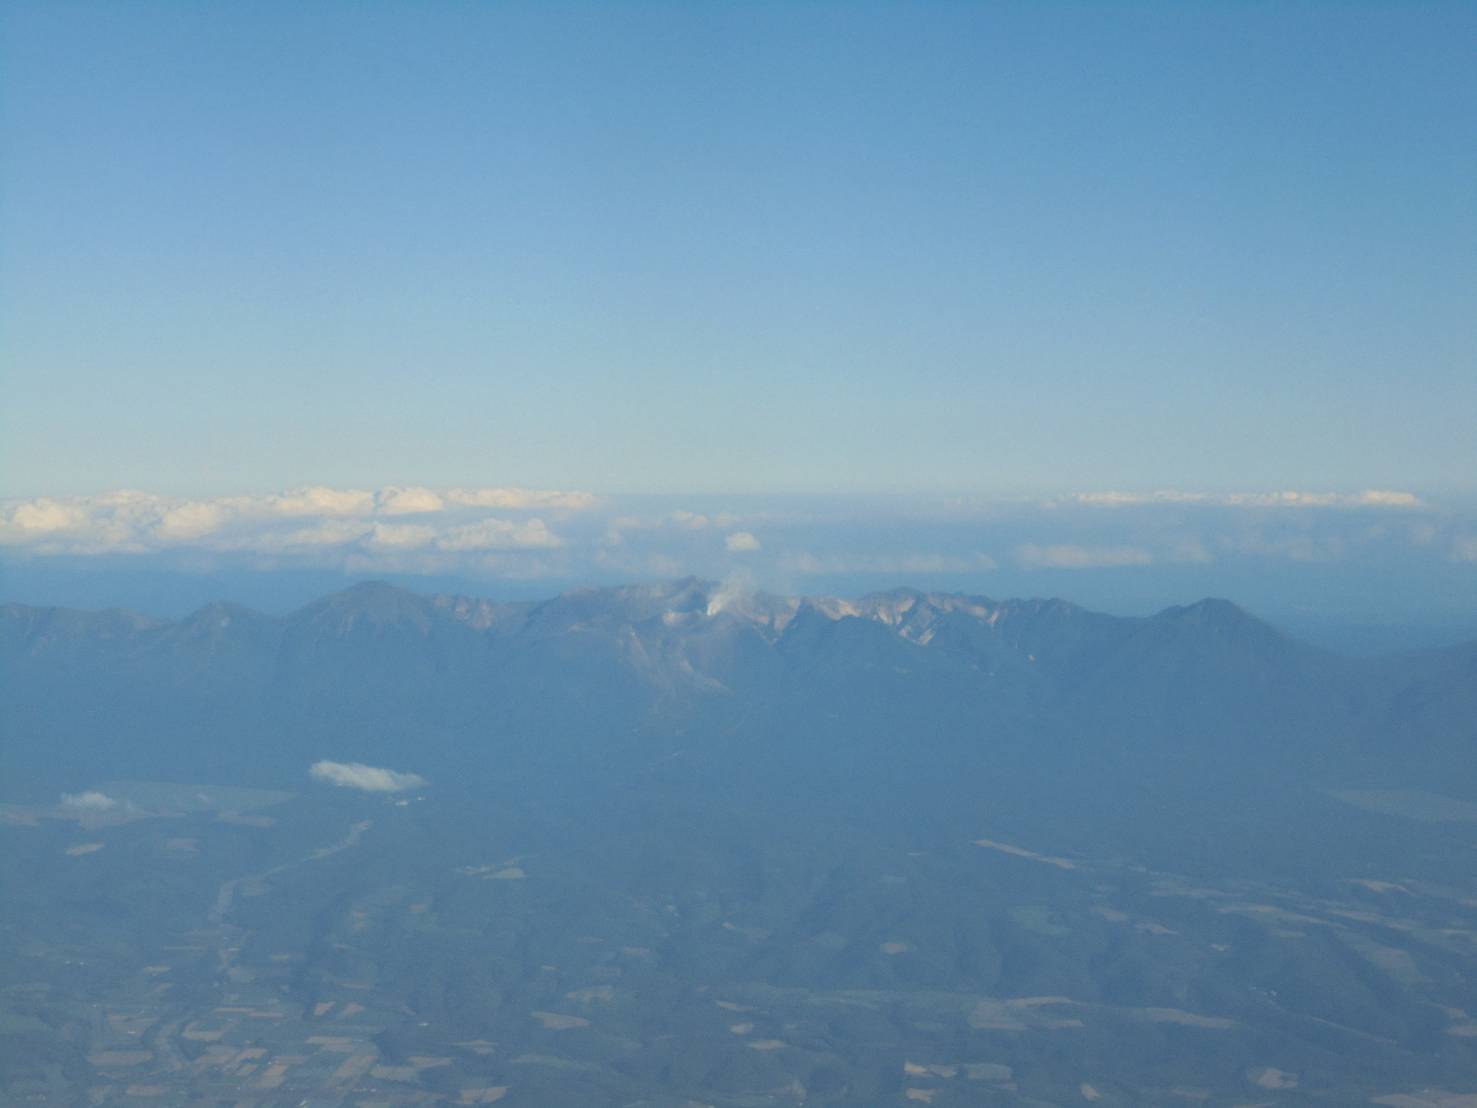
[1189, 680]
[677, 843]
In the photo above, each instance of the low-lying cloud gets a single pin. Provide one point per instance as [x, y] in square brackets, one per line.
[371, 779]
[90, 801]
[517, 536]
[1286, 498]
[312, 522]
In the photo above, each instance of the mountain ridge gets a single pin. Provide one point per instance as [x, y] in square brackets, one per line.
[465, 682]
[378, 602]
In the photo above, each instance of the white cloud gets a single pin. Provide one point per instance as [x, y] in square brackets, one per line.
[1073, 556]
[1289, 498]
[90, 801]
[509, 498]
[1389, 498]
[356, 775]
[1464, 549]
[400, 536]
[329, 522]
[122, 522]
[44, 516]
[394, 501]
[1133, 499]
[318, 500]
[513, 533]
[191, 520]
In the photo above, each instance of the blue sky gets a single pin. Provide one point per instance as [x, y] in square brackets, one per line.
[738, 248]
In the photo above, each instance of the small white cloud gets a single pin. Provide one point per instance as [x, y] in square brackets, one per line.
[1072, 556]
[741, 542]
[90, 801]
[372, 779]
[1390, 498]
[1464, 549]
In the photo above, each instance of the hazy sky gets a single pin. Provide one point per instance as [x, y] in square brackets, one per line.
[738, 247]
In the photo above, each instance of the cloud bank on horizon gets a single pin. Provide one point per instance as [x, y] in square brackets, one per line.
[300, 523]
[500, 532]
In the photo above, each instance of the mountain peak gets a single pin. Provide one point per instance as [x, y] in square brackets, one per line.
[1229, 622]
[1212, 611]
[366, 604]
